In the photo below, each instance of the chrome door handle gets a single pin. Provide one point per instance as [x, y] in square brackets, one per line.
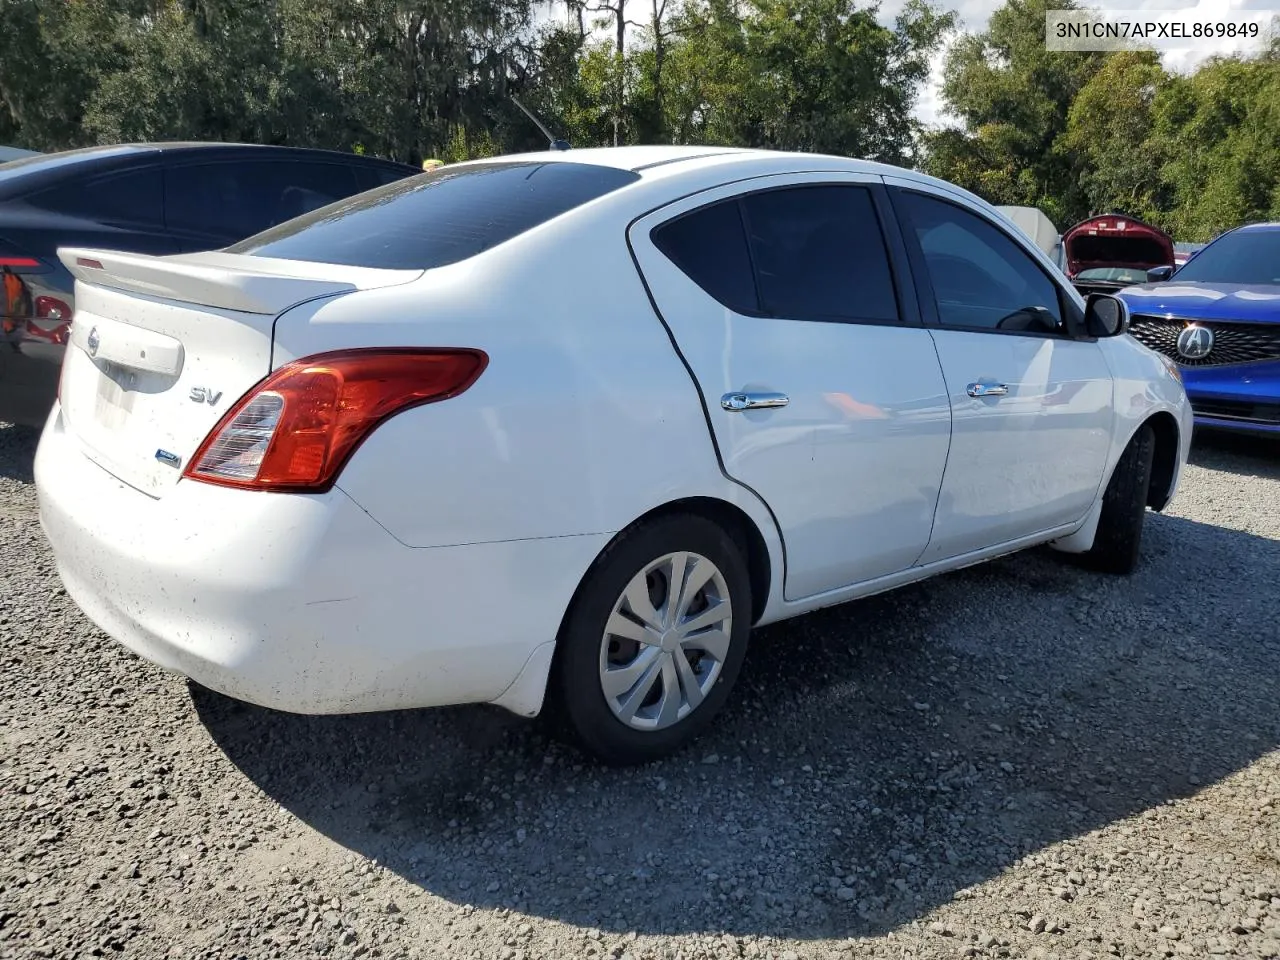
[986, 390]
[736, 402]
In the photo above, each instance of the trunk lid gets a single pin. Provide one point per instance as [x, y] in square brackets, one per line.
[1115, 241]
[162, 346]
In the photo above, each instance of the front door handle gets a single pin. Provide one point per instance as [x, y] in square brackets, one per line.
[737, 402]
[986, 390]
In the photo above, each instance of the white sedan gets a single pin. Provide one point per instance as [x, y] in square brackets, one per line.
[560, 429]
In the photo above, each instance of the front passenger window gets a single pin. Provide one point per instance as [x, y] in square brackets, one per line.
[981, 278]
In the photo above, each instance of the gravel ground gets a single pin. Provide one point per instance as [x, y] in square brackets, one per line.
[1019, 760]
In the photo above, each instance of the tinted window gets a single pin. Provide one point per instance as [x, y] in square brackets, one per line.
[1245, 256]
[981, 278]
[440, 217]
[16, 171]
[710, 247]
[232, 200]
[370, 175]
[130, 197]
[819, 252]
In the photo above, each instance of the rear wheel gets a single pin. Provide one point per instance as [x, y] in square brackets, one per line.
[654, 642]
[1117, 544]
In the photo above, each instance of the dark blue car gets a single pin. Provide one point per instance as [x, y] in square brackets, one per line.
[1218, 316]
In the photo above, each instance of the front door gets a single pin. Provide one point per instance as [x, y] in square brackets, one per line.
[824, 393]
[1032, 406]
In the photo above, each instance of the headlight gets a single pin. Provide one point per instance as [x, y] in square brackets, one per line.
[1174, 370]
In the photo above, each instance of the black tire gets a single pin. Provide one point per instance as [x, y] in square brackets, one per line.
[1118, 542]
[577, 706]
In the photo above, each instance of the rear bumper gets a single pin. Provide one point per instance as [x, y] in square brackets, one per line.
[298, 603]
[1244, 398]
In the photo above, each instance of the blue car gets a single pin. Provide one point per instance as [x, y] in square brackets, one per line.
[1218, 316]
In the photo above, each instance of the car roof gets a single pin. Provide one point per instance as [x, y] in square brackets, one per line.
[641, 159]
[1258, 228]
[702, 167]
[47, 162]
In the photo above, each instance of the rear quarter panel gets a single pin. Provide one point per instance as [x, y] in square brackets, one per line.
[584, 420]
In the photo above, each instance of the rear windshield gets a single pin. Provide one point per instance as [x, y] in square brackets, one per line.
[437, 218]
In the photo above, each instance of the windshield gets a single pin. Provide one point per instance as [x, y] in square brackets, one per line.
[1116, 274]
[437, 218]
[1245, 256]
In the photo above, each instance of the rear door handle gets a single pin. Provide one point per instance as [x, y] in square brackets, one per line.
[737, 402]
[986, 390]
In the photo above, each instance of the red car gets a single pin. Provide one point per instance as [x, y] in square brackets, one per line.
[1110, 252]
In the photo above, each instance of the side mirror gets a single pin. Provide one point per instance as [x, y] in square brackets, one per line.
[1159, 274]
[1105, 315]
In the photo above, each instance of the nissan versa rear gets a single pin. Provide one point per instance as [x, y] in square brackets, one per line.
[561, 429]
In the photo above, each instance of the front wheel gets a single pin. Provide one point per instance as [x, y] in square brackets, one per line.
[1117, 544]
[654, 641]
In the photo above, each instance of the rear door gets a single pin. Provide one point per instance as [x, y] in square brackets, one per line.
[823, 392]
[212, 204]
[1032, 406]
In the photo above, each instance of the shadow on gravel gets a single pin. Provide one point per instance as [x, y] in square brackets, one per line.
[1255, 456]
[911, 745]
[18, 452]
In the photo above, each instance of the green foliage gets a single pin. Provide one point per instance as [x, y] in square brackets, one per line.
[1072, 133]
[816, 75]
[417, 78]
[1014, 97]
[1078, 133]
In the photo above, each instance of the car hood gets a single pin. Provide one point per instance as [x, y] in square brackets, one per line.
[1252, 303]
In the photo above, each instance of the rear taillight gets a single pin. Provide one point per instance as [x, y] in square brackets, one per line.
[51, 308]
[297, 428]
[19, 263]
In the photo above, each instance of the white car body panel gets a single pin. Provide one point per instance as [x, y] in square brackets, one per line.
[1028, 461]
[439, 568]
[867, 408]
[298, 602]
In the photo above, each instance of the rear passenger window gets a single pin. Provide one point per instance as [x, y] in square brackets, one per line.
[802, 253]
[819, 254]
[131, 197]
[371, 175]
[710, 248]
[230, 200]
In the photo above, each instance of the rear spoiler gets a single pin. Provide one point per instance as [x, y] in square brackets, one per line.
[225, 281]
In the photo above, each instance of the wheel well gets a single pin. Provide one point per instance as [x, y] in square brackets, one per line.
[1165, 463]
[738, 525]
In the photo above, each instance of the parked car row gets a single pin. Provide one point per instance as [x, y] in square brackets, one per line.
[147, 198]
[561, 428]
[1212, 308]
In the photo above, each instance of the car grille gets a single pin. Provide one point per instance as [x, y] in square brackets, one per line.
[1238, 410]
[1232, 342]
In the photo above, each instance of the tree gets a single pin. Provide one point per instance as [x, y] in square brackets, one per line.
[1014, 97]
[1109, 137]
[815, 75]
[1218, 131]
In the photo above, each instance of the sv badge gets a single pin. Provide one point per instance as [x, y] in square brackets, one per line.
[205, 395]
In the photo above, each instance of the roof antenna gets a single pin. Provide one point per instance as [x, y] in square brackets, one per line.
[556, 143]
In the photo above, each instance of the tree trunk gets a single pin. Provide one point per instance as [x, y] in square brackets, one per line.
[621, 64]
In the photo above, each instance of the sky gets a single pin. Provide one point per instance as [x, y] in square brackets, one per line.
[974, 14]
